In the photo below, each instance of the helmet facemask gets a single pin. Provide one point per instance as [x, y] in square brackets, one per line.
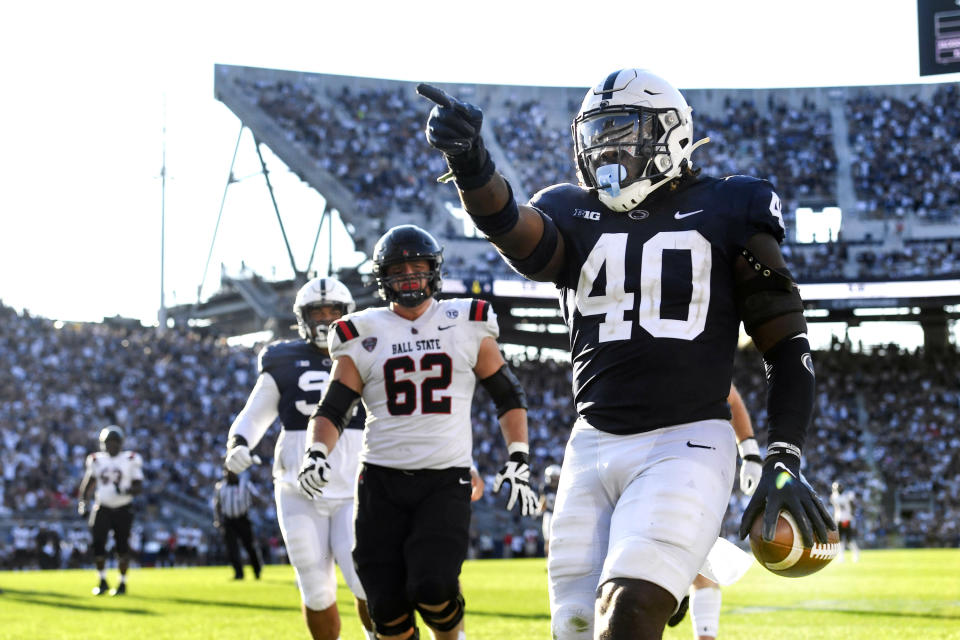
[401, 244]
[409, 289]
[316, 331]
[626, 152]
[318, 293]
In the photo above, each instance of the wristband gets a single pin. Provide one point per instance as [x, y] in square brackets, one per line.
[518, 446]
[780, 448]
[236, 440]
[318, 446]
[749, 450]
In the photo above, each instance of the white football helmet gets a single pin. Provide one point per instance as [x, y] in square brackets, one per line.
[633, 134]
[551, 475]
[317, 293]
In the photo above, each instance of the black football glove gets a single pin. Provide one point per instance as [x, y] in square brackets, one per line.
[453, 128]
[781, 487]
[517, 472]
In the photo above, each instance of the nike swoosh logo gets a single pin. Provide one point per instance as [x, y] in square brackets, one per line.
[780, 465]
[449, 326]
[698, 446]
[462, 481]
[681, 216]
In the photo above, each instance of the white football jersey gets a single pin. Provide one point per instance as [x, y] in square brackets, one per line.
[113, 472]
[418, 380]
[842, 506]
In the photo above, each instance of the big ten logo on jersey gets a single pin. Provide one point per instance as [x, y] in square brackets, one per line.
[586, 215]
[608, 258]
[307, 382]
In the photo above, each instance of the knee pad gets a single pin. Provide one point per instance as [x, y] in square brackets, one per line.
[572, 622]
[448, 618]
[317, 590]
[398, 628]
[705, 611]
[432, 591]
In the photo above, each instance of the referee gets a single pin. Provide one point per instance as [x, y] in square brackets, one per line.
[231, 503]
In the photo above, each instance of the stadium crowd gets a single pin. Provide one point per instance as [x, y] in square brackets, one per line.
[906, 153]
[371, 140]
[887, 423]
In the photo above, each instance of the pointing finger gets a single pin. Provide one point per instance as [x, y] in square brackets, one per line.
[431, 92]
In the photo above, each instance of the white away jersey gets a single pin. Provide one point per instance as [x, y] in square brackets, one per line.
[114, 472]
[418, 380]
[842, 506]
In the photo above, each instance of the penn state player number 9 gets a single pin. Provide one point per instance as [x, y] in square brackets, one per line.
[311, 381]
[609, 253]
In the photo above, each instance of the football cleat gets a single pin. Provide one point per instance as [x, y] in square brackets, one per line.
[102, 589]
[120, 590]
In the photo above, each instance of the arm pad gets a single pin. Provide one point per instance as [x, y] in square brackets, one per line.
[540, 257]
[771, 293]
[790, 390]
[337, 404]
[505, 390]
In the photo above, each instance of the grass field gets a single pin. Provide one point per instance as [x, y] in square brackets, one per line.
[887, 595]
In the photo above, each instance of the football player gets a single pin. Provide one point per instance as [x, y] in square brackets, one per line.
[293, 375]
[656, 266]
[548, 497]
[415, 365]
[114, 477]
[843, 506]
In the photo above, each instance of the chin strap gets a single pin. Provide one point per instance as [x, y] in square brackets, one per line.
[696, 145]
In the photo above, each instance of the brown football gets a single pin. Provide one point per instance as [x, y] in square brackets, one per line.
[786, 555]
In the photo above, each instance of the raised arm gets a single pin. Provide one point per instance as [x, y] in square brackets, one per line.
[528, 240]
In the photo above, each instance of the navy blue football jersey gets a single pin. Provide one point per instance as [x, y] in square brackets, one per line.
[648, 298]
[301, 372]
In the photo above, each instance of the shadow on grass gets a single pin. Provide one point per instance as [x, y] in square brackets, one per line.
[505, 614]
[222, 603]
[873, 613]
[62, 600]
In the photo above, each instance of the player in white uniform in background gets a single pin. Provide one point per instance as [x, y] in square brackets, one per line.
[843, 505]
[114, 476]
[415, 365]
[293, 375]
[551, 480]
[705, 597]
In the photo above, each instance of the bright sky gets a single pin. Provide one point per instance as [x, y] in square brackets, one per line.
[88, 87]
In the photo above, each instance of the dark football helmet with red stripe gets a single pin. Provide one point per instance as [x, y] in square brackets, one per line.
[404, 243]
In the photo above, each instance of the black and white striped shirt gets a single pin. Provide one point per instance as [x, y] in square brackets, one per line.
[233, 500]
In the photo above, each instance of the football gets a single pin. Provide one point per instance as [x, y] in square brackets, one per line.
[786, 555]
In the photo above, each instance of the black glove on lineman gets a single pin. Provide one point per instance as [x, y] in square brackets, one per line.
[453, 128]
[781, 487]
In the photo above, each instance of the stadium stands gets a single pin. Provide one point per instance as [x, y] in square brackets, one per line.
[887, 420]
[888, 156]
[887, 426]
